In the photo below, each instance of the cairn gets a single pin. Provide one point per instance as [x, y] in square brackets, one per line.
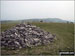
[25, 35]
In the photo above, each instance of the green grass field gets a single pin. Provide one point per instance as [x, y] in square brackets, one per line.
[64, 39]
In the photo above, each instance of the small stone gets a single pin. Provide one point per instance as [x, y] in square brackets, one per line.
[16, 34]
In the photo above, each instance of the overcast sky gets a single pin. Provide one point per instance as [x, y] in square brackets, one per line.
[15, 10]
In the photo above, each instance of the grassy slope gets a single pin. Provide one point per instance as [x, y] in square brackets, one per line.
[64, 39]
[63, 31]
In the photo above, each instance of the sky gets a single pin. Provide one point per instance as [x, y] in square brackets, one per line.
[18, 10]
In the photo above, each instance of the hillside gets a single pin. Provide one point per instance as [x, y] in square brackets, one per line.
[64, 39]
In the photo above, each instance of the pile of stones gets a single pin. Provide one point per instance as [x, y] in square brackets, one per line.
[25, 35]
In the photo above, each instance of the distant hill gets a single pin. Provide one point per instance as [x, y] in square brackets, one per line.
[46, 20]
[38, 20]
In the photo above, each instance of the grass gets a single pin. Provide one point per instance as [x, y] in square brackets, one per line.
[64, 39]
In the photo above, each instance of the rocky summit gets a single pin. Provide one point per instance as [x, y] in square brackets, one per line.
[25, 35]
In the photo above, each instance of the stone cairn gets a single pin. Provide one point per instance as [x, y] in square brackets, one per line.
[25, 35]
